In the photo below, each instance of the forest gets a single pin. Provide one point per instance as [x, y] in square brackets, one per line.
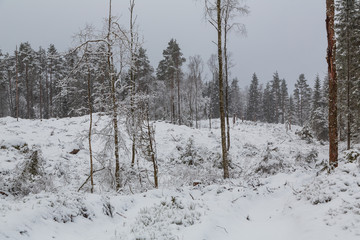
[100, 119]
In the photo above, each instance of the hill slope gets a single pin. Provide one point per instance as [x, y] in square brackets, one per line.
[277, 189]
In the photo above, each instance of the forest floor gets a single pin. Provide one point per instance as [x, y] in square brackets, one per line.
[279, 186]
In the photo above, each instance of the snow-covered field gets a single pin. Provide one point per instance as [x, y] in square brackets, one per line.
[277, 188]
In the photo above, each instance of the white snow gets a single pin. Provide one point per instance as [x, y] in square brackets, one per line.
[277, 189]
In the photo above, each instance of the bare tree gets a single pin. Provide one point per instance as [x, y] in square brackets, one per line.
[196, 67]
[333, 131]
[231, 9]
[214, 13]
[17, 84]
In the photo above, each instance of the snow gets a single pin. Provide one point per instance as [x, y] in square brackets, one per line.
[278, 187]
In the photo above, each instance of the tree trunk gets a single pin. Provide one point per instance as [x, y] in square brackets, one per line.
[333, 133]
[226, 85]
[110, 59]
[178, 93]
[90, 128]
[41, 100]
[221, 92]
[348, 86]
[133, 85]
[27, 91]
[11, 104]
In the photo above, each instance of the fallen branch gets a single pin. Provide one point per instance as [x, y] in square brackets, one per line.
[3, 193]
[89, 178]
[222, 228]
[121, 215]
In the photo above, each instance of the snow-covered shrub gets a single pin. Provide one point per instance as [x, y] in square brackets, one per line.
[305, 134]
[271, 162]
[160, 221]
[250, 150]
[65, 208]
[190, 154]
[309, 159]
[29, 175]
[352, 155]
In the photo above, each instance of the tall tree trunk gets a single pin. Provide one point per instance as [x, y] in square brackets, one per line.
[152, 146]
[333, 133]
[90, 128]
[41, 99]
[348, 84]
[133, 85]
[178, 93]
[51, 94]
[110, 59]
[11, 104]
[196, 102]
[226, 83]
[47, 102]
[17, 86]
[27, 90]
[221, 92]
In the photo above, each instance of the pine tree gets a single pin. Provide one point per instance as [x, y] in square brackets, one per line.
[302, 94]
[276, 92]
[333, 88]
[169, 70]
[284, 101]
[253, 102]
[318, 119]
[347, 60]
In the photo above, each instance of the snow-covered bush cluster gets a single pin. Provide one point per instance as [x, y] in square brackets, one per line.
[272, 162]
[161, 220]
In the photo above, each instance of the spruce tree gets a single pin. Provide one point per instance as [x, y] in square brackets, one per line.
[302, 94]
[253, 102]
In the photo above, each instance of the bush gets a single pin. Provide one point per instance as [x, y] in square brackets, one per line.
[305, 134]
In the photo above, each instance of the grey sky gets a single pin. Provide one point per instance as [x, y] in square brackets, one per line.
[287, 36]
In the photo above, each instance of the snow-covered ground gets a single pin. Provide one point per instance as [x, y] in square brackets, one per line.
[277, 188]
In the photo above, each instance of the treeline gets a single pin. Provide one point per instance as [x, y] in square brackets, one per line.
[44, 83]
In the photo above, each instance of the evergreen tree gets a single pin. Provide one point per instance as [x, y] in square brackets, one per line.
[284, 101]
[318, 119]
[252, 112]
[169, 70]
[347, 60]
[235, 99]
[302, 94]
[276, 93]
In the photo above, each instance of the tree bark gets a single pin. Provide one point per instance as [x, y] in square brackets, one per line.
[226, 83]
[110, 59]
[90, 128]
[221, 92]
[333, 133]
[17, 86]
[133, 85]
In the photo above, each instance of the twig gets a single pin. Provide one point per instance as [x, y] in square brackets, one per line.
[121, 215]
[222, 228]
[3, 193]
[89, 178]
[192, 196]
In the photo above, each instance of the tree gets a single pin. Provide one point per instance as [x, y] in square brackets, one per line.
[196, 67]
[254, 101]
[348, 53]
[302, 94]
[276, 92]
[169, 70]
[213, 11]
[331, 57]
[230, 10]
[318, 121]
[284, 100]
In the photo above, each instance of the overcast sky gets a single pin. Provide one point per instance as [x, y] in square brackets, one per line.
[287, 36]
